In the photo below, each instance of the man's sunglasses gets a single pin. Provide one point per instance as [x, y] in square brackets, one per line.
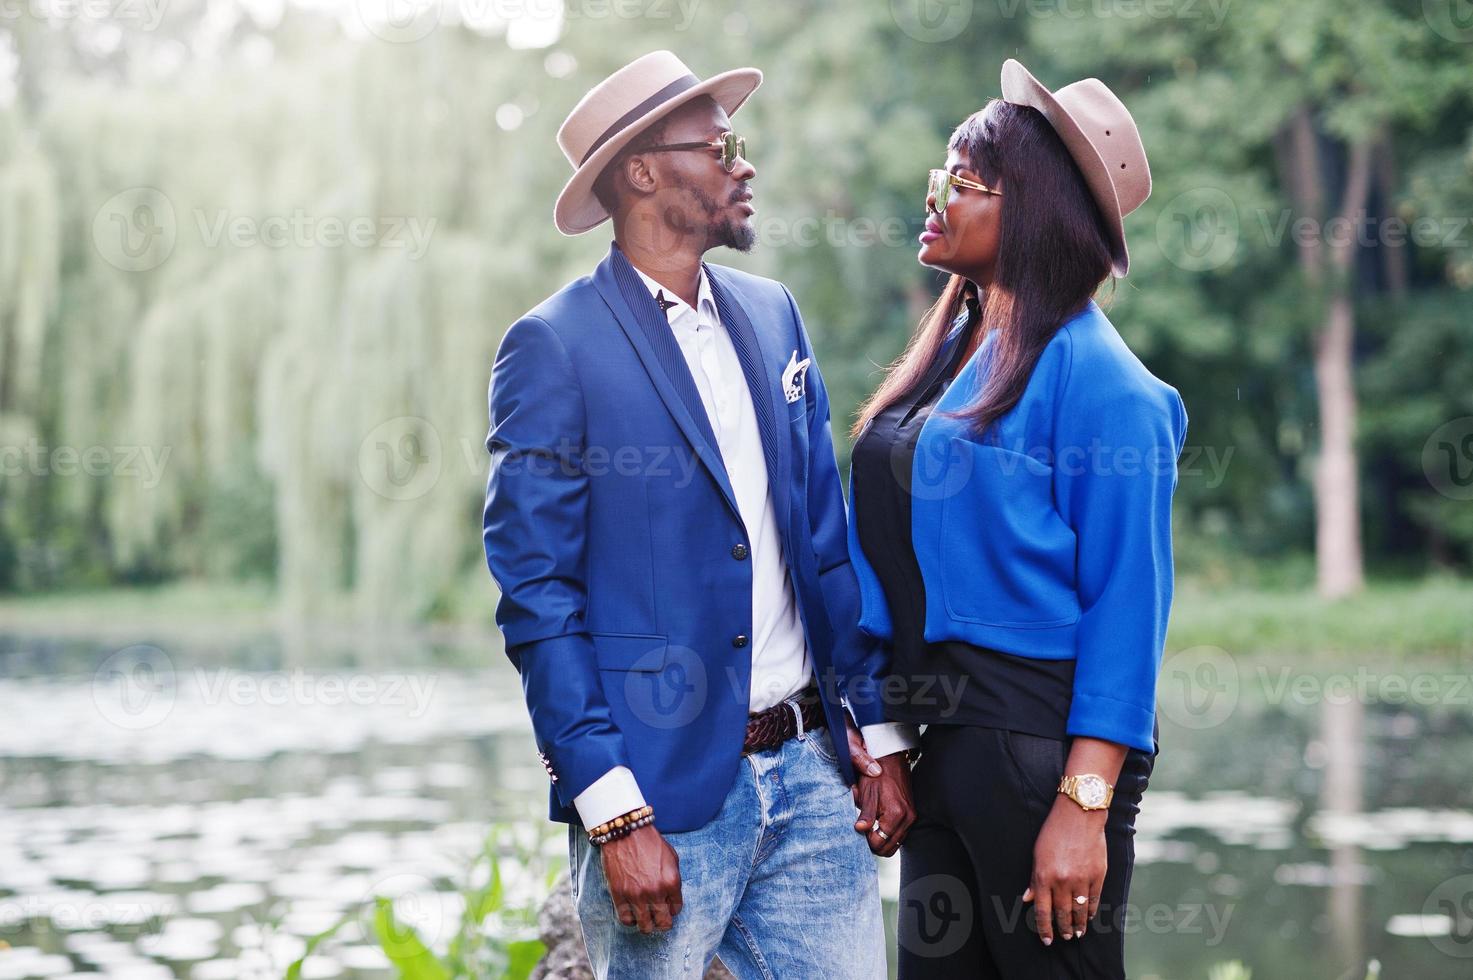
[730, 144]
[944, 183]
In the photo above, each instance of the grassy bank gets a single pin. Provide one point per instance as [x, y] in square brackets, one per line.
[1430, 617]
[183, 607]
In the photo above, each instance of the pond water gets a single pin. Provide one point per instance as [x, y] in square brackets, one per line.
[200, 808]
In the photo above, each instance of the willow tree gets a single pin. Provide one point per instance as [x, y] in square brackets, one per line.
[331, 266]
[29, 278]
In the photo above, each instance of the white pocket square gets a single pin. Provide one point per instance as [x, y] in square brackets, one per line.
[794, 376]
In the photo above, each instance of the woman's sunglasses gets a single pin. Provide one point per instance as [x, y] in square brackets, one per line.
[944, 183]
[731, 146]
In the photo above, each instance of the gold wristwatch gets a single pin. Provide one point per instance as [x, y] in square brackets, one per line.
[1091, 792]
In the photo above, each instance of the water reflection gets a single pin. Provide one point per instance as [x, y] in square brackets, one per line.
[1342, 726]
[211, 839]
[1317, 827]
[198, 810]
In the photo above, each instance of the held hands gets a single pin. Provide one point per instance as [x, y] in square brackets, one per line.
[882, 794]
[643, 872]
[1069, 860]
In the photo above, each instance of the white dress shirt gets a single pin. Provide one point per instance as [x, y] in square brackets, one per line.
[781, 663]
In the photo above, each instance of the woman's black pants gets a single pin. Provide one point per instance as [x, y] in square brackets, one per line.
[981, 797]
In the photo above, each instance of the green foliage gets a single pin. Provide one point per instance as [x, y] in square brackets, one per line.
[494, 939]
[1420, 379]
[294, 969]
[410, 956]
[1216, 96]
[237, 534]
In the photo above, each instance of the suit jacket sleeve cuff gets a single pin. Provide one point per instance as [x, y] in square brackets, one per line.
[611, 795]
[889, 738]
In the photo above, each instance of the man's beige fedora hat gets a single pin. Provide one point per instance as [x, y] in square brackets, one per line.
[608, 117]
[1102, 138]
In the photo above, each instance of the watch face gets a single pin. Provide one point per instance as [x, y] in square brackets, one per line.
[1091, 790]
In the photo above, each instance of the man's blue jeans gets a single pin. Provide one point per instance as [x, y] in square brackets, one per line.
[778, 884]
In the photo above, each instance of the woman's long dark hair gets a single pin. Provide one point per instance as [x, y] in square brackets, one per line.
[1053, 253]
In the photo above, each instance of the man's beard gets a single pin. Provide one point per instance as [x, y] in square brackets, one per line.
[727, 231]
[740, 236]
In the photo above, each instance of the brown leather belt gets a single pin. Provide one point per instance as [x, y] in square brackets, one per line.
[771, 728]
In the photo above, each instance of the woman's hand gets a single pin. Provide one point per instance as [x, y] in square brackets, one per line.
[1069, 860]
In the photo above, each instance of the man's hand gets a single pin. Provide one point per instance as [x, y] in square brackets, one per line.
[864, 763]
[882, 795]
[643, 873]
[885, 805]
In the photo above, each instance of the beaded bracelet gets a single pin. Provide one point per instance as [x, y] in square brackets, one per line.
[623, 831]
[623, 825]
[619, 821]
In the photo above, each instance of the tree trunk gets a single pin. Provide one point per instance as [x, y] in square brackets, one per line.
[1327, 261]
[1338, 559]
[1336, 485]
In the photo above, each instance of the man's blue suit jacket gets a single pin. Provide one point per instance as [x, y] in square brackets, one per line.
[611, 529]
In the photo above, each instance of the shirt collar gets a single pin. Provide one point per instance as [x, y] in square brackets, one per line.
[704, 300]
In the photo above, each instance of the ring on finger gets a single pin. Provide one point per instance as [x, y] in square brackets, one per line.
[1080, 899]
[881, 834]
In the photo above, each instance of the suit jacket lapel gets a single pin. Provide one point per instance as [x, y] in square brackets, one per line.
[648, 329]
[765, 386]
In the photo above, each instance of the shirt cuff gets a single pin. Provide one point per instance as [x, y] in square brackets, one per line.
[611, 795]
[889, 737]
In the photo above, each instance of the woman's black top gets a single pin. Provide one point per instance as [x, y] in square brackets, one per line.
[951, 682]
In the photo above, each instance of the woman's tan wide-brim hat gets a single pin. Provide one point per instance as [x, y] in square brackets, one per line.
[1102, 138]
[617, 109]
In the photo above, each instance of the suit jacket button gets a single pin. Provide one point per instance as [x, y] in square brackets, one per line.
[739, 551]
[739, 641]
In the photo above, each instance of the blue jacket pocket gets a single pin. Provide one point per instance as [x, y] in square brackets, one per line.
[1007, 555]
[630, 651]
